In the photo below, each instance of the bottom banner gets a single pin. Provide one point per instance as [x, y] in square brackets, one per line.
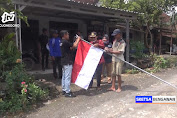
[155, 99]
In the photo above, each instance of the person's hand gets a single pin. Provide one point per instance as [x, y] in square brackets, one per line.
[106, 49]
[53, 58]
[78, 38]
[71, 48]
[96, 45]
[110, 50]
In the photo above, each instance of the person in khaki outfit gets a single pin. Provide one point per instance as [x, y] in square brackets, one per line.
[118, 50]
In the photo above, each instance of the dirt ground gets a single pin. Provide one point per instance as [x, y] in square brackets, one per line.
[107, 104]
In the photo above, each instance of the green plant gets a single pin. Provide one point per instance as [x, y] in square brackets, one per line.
[21, 91]
[35, 93]
[24, 97]
[137, 47]
[132, 71]
[159, 62]
[8, 53]
[172, 62]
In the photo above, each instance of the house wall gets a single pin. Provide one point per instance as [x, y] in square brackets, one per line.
[44, 22]
[82, 26]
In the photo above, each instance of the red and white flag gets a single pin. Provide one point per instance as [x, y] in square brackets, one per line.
[86, 62]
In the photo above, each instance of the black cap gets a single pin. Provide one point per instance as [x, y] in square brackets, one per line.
[115, 32]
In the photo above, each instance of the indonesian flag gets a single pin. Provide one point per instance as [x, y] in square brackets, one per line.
[86, 62]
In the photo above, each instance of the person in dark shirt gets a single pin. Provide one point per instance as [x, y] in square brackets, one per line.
[55, 53]
[43, 40]
[108, 59]
[67, 62]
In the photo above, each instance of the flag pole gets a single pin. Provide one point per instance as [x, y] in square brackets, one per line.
[135, 66]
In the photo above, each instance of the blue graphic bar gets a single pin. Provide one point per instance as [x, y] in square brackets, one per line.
[143, 99]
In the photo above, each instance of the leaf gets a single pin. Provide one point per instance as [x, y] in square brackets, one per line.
[9, 36]
[9, 48]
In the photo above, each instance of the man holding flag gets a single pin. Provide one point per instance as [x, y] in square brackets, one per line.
[67, 62]
[98, 44]
[118, 50]
[88, 60]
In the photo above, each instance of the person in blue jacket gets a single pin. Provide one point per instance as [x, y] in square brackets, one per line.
[55, 53]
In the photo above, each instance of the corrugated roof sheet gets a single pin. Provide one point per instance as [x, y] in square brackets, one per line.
[79, 2]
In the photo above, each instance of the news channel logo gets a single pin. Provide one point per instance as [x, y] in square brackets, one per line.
[155, 99]
[8, 17]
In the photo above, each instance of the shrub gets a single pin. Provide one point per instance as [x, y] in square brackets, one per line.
[137, 47]
[172, 61]
[8, 53]
[132, 71]
[21, 91]
[35, 93]
[160, 62]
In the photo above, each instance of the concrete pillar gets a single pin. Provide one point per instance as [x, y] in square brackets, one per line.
[20, 35]
[127, 40]
[16, 29]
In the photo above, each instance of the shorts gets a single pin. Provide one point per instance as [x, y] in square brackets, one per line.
[117, 68]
